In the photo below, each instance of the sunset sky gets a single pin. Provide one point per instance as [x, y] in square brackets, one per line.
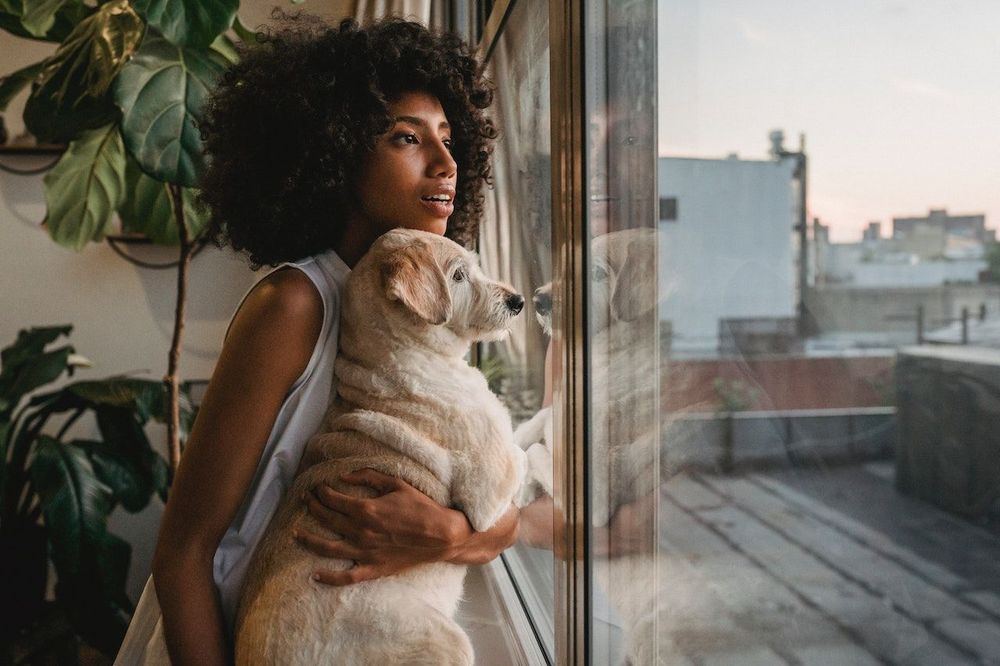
[899, 99]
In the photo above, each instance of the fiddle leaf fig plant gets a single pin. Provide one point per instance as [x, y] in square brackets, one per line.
[126, 89]
[161, 94]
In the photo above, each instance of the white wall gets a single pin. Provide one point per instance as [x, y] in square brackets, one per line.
[730, 252]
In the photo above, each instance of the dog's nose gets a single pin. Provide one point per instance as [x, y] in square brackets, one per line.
[515, 302]
[543, 302]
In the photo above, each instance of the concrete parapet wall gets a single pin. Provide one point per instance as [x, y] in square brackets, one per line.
[787, 438]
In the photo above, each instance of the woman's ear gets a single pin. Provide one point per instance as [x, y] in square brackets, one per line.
[411, 276]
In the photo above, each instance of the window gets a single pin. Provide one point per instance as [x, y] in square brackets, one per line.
[772, 431]
[668, 209]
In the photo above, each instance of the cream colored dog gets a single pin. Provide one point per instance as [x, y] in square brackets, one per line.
[407, 405]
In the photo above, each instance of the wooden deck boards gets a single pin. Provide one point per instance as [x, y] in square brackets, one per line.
[789, 574]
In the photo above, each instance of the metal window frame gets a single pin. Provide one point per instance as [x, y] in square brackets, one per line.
[570, 250]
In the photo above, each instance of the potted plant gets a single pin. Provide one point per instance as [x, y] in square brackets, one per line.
[57, 491]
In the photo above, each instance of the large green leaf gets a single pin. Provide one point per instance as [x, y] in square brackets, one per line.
[85, 188]
[148, 208]
[129, 485]
[38, 16]
[226, 48]
[67, 17]
[30, 342]
[72, 93]
[15, 82]
[24, 365]
[143, 396]
[189, 22]
[161, 93]
[40, 370]
[75, 503]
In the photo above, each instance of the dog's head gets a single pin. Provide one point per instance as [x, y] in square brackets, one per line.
[436, 287]
[622, 280]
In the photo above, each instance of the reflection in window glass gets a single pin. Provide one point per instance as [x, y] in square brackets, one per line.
[830, 382]
[793, 348]
[516, 246]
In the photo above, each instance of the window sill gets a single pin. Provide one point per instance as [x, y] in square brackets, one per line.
[496, 623]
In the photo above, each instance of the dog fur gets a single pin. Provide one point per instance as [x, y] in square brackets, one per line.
[407, 405]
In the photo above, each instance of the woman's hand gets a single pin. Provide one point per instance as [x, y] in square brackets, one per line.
[398, 528]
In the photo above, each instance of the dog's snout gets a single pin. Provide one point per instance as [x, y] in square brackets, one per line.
[514, 303]
[543, 301]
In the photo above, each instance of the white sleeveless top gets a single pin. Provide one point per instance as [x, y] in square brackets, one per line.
[299, 418]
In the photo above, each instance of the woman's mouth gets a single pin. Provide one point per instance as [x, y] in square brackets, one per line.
[439, 204]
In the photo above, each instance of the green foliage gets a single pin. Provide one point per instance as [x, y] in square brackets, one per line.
[161, 94]
[29, 18]
[74, 484]
[189, 22]
[148, 208]
[85, 187]
[125, 89]
[72, 92]
[15, 82]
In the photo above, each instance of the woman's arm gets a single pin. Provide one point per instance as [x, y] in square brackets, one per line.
[267, 348]
[399, 528]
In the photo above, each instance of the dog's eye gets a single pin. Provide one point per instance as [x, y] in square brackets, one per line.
[458, 275]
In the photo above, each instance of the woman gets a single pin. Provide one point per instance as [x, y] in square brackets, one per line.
[320, 141]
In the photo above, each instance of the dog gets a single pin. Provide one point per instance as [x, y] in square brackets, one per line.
[624, 404]
[407, 404]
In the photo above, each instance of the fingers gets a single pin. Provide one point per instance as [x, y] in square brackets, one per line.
[383, 483]
[334, 548]
[338, 501]
[330, 518]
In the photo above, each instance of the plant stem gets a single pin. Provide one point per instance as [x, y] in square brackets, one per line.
[172, 380]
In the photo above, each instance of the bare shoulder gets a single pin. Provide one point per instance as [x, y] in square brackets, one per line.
[285, 293]
[278, 324]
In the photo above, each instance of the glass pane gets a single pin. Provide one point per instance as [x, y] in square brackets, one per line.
[623, 330]
[830, 362]
[515, 245]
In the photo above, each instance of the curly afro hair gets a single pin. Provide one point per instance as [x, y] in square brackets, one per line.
[287, 127]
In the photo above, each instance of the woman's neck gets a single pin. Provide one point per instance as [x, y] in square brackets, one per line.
[358, 236]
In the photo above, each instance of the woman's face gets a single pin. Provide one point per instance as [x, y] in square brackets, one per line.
[409, 180]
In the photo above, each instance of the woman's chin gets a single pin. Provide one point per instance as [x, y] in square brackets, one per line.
[434, 225]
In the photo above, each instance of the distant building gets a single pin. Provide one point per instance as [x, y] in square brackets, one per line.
[964, 226]
[727, 254]
[923, 252]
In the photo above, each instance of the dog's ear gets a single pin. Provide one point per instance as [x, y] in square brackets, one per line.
[411, 276]
[635, 289]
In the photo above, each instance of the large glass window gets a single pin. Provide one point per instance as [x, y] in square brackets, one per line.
[762, 348]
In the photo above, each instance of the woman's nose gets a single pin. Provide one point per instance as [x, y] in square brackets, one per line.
[443, 164]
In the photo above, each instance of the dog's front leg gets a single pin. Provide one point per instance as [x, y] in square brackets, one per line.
[486, 479]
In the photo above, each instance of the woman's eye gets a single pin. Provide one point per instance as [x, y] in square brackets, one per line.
[407, 138]
[448, 144]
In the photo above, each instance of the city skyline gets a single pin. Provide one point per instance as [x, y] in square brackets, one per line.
[897, 99]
